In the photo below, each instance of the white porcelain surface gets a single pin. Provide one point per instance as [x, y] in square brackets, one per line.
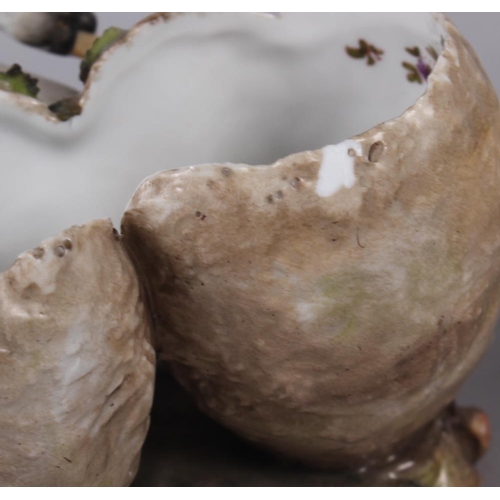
[197, 89]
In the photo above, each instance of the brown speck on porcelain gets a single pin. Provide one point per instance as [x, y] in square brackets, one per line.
[376, 151]
[38, 252]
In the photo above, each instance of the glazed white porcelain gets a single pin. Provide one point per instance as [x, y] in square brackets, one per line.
[201, 88]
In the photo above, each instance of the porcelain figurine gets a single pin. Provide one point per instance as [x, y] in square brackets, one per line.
[313, 247]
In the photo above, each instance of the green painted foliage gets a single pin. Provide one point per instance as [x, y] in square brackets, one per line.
[103, 43]
[15, 80]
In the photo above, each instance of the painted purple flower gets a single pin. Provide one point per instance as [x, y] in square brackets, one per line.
[420, 71]
[423, 68]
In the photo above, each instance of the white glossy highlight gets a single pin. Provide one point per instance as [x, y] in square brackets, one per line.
[337, 168]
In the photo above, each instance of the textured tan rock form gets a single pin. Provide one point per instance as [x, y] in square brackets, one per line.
[330, 329]
[76, 365]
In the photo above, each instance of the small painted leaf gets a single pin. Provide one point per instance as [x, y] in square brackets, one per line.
[409, 66]
[414, 77]
[367, 50]
[14, 80]
[100, 45]
[376, 51]
[414, 51]
[413, 74]
[356, 53]
[432, 52]
[66, 109]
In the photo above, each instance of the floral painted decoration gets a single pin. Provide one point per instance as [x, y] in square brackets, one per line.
[419, 71]
[365, 49]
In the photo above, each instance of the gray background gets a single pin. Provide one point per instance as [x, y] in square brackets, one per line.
[481, 389]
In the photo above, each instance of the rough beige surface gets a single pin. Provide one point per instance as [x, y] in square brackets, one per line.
[76, 365]
[330, 329]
